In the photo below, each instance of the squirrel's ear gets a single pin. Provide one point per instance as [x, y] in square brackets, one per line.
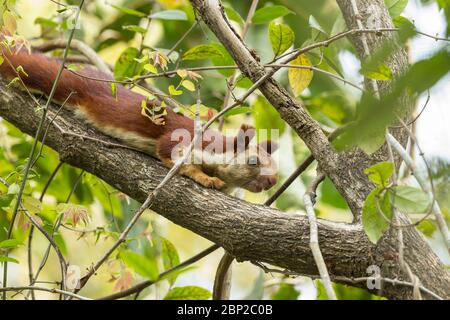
[269, 146]
[245, 134]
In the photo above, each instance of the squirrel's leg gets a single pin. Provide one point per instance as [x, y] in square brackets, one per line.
[195, 173]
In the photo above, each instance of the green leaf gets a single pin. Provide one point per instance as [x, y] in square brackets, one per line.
[203, 51]
[114, 90]
[173, 91]
[169, 15]
[381, 72]
[33, 205]
[236, 111]
[224, 60]
[146, 267]
[135, 28]
[410, 199]
[10, 243]
[13, 188]
[9, 22]
[127, 65]
[285, 292]
[375, 225]
[170, 257]
[333, 104]
[188, 85]
[380, 173]
[396, 7]
[150, 68]
[313, 23]
[233, 14]
[266, 117]
[188, 293]
[8, 259]
[269, 13]
[129, 11]
[374, 115]
[281, 37]
[402, 22]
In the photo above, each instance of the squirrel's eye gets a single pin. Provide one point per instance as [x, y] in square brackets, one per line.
[253, 161]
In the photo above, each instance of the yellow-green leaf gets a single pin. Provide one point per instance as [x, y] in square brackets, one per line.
[281, 37]
[182, 73]
[173, 91]
[188, 293]
[9, 21]
[202, 51]
[188, 85]
[150, 68]
[299, 79]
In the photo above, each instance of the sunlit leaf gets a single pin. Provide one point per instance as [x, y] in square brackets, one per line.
[266, 117]
[169, 15]
[381, 72]
[134, 28]
[233, 14]
[10, 243]
[126, 66]
[281, 37]
[313, 23]
[410, 199]
[146, 267]
[270, 13]
[380, 173]
[9, 22]
[286, 292]
[188, 85]
[173, 91]
[170, 257]
[203, 51]
[299, 79]
[8, 259]
[33, 205]
[188, 293]
[374, 223]
[396, 7]
[129, 11]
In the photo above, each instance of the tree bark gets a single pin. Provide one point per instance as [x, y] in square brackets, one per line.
[346, 170]
[249, 232]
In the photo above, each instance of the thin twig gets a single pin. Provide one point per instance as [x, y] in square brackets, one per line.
[424, 185]
[33, 149]
[308, 200]
[141, 286]
[52, 290]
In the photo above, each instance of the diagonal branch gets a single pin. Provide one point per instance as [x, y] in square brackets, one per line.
[249, 232]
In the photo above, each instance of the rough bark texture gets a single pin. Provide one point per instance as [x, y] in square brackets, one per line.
[247, 231]
[346, 170]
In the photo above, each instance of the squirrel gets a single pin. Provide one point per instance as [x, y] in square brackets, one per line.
[220, 162]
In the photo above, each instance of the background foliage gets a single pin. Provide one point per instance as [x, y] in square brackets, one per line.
[93, 213]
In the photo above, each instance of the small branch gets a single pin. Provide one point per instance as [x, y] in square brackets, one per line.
[141, 286]
[222, 281]
[34, 288]
[33, 149]
[394, 282]
[308, 199]
[423, 184]
[79, 46]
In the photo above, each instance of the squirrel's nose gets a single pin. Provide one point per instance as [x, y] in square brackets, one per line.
[271, 181]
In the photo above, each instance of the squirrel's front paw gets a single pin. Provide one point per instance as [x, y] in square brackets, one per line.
[212, 182]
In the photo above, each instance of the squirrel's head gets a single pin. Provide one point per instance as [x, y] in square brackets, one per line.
[251, 166]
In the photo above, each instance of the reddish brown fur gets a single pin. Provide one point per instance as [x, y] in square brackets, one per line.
[95, 99]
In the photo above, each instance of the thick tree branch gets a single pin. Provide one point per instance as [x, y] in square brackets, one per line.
[249, 232]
